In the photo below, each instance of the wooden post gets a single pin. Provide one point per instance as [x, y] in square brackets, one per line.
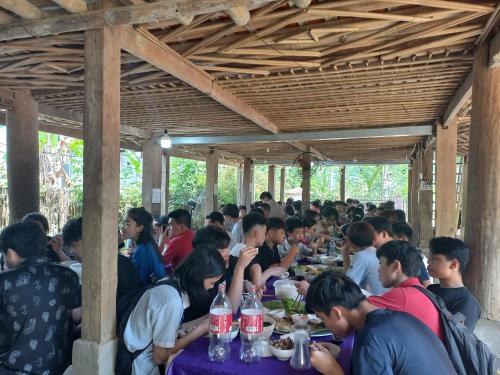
[426, 231]
[306, 182]
[22, 157]
[95, 352]
[446, 190]
[152, 176]
[462, 200]
[270, 180]
[212, 168]
[414, 215]
[247, 181]
[482, 225]
[342, 183]
[239, 184]
[282, 184]
[165, 182]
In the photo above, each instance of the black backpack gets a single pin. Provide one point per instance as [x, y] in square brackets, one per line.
[469, 355]
[124, 308]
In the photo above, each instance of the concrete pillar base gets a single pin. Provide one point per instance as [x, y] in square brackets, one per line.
[91, 358]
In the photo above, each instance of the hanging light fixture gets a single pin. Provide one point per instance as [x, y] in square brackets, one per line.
[165, 140]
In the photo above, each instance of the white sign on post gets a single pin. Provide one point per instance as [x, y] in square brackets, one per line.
[156, 196]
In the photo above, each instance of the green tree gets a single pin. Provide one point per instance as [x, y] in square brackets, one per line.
[227, 184]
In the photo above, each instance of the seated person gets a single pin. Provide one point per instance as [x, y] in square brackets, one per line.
[146, 256]
[399, 267]
[402, 231]
[233, 219]
[155, 320]
[268, 255]
[181, 238]
[127, 275]
[36, 301]
[387, 341]
[364, 266]
[54, 250]
[275, 210]
[163, 237]
[215, 218]
[447, 262]
[243, 211]
[211, 235]
[295, 238]
[310, 240]
[254, 229]
[326, 227]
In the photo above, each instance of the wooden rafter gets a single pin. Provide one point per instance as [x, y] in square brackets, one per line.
[23, 8]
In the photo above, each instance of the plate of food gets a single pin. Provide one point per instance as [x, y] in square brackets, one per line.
[286, 325]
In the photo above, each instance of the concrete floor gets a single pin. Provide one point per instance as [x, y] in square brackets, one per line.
[488, 331]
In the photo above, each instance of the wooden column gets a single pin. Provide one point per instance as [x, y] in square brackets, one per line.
[482, 225]
[152, 176]
[462, 199]
[22, 157]
[247, 181]
[271, 175]
[95, 352]
[306, 182]
[426, 231]
[282, 184]
[342, 183]
[414, 215]
[165, 182]
[446, 190]
[239, 184]
[212, 168]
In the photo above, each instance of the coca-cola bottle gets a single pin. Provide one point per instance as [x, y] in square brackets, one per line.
[251, 325]
[221, 318]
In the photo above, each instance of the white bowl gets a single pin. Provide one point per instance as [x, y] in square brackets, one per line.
[285, 289]
[268, 331]
[281, 354]
[329, 260]
[332, 348]
[313, 319]
[300, 319]
[266, 349]
[277, 314]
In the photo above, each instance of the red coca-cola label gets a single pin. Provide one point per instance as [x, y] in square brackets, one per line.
[220, 323]
[252, 324]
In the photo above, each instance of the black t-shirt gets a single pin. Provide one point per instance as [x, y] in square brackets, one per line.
[267, 256]
[128, 277]
[393, 342]
[459, 300]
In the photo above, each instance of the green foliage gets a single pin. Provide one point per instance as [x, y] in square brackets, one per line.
[187, 181]
[227, 184]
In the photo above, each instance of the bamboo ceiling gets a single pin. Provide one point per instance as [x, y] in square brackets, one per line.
[332, 65]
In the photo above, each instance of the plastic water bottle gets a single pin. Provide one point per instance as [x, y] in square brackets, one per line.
[221, 318]
[252, 318]
[332, 247]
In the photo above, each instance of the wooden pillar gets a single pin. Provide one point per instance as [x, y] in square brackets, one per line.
[414, 215]
[165, 182]
[95, 352]
[426, 231]
[22, 157]
[306, 182]
[247, 181]
[462, 199]
[446, 190]
[271, 175]
[212, 173]
[239, 184]
[282, 184]
[152, 176]
[342, 183]
[482, 225]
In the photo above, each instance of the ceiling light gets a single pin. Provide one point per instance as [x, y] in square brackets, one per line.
[165, 141]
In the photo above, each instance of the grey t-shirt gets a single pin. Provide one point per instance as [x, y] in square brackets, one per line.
[364, 271]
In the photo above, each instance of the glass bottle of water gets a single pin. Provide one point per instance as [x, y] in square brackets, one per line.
[251, 326]
[221, 318]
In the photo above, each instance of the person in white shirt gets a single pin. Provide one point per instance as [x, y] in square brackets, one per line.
[275, 209]
[156, 319]
[232, 216]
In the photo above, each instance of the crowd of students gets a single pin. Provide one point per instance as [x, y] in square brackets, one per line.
[398, 327]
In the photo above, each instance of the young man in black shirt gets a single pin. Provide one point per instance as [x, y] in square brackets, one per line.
[36, 302]
[387, 342]
[447, 262]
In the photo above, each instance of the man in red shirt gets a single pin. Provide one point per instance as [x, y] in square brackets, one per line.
[181, 238]
[399, 270]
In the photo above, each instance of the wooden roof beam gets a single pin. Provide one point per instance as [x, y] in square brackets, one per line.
[463, 94]
[495, 52]
[22, 8]
[72, 6]
[146, 47]
[124, 15]
[240, 15]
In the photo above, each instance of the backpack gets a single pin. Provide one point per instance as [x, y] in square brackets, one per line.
[469, 355]
[124, 308]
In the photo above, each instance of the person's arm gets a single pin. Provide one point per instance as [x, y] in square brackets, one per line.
[56, 243]
[140, 260]
[171, 253]
[322, 361]
[357, 270]
[236, 289]
[287, 261]
[160, 355]
[346, 255]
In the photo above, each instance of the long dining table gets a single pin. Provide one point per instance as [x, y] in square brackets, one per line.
[193, 360]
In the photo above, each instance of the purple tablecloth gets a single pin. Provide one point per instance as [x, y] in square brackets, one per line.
[194, 359]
